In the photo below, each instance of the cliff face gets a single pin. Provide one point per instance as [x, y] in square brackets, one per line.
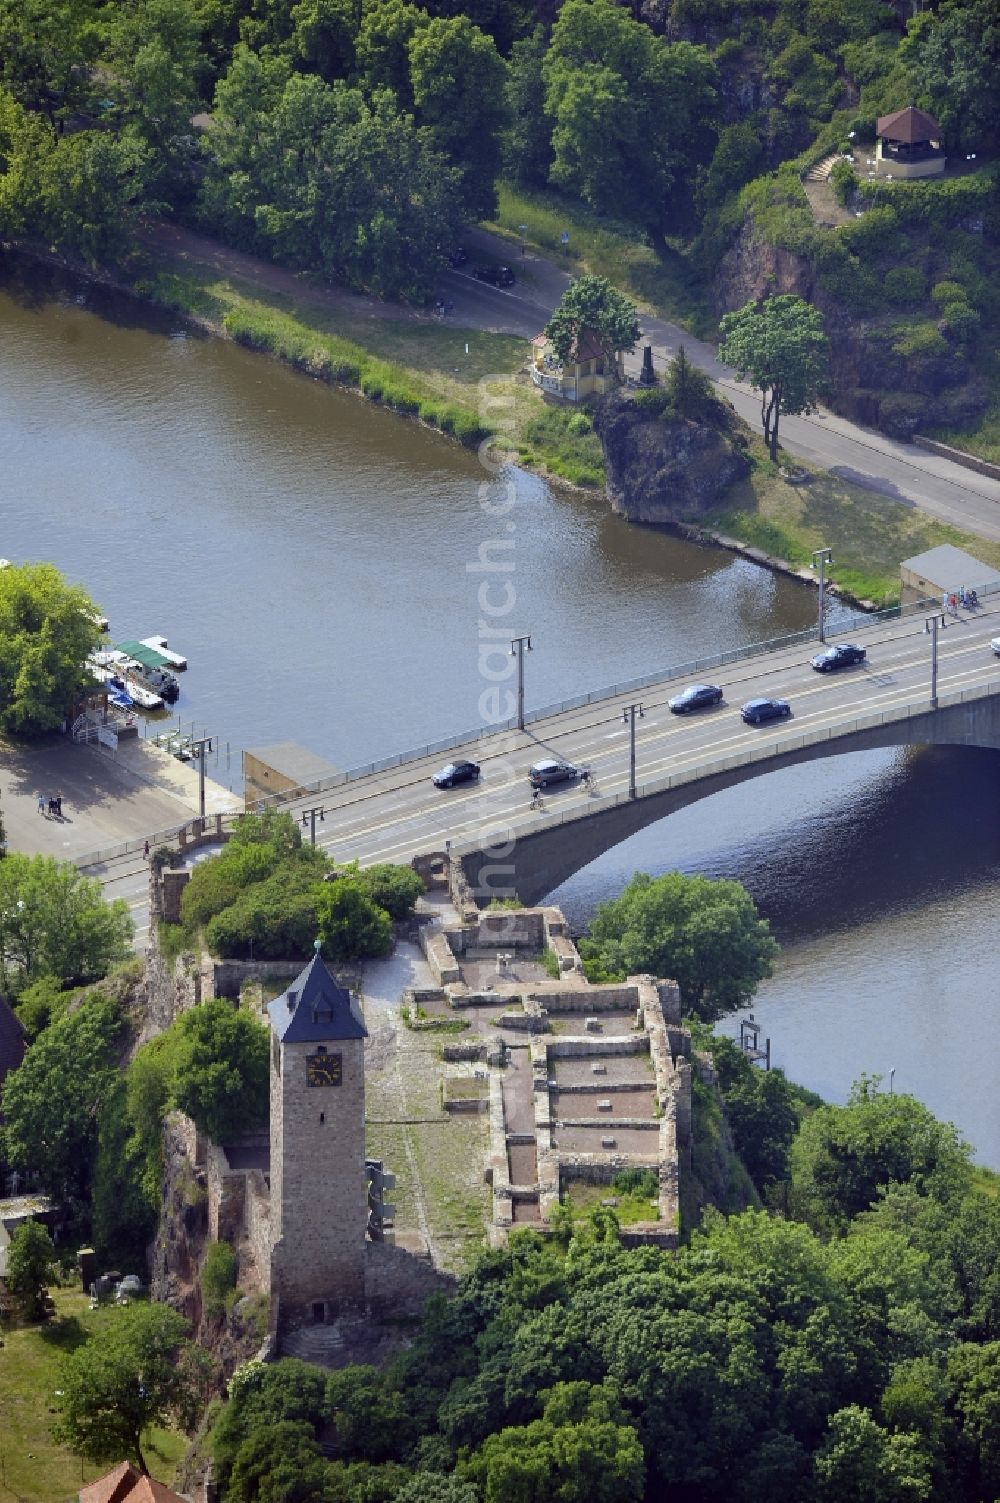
[666, 468]
[870, 382]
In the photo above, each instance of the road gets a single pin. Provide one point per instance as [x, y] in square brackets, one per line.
[936, 485]
[396, 814]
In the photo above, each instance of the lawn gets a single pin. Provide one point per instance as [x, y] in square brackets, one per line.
[870, 534]
[33, 1468]
[629, 1208]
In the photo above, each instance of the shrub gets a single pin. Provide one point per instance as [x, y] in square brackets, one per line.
[962, 321]
[350, 925]
[218, 1278]
[919, 337]
[843, 181]
[220, 1075]
[394, 888]
[904, 286]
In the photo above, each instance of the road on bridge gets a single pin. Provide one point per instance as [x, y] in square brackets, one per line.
[396, 814]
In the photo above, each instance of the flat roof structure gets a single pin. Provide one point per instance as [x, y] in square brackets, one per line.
[944, 569]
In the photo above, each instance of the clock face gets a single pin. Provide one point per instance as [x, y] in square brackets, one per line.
[324, 1069]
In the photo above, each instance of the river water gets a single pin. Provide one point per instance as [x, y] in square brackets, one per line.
[316, 560]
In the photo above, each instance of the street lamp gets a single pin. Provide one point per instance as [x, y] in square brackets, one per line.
[310, 815]
[822, 557]
[200, 749]
[629, 714]
[518, 647]
[931, 625]
[891, 1074]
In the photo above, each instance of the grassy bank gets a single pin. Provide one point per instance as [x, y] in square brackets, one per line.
[870, 534]
[35, 1469]
[666, 281]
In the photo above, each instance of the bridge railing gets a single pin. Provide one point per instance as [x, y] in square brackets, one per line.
[846, 621]
[596, 802]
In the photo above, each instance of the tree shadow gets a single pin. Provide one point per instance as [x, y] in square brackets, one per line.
[65, 1333]
[36, 285]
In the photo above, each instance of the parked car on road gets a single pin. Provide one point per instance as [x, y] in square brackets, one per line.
[757, 711]
[841, 655]
[550, 771]
[695, 697]
[497, 276]
[456, 772]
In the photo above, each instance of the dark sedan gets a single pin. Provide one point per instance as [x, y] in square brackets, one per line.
[456, 772]
[695, 697]
[842, 655]
[543, 774]
[757, 711]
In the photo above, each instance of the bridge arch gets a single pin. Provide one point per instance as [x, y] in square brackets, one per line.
[550, 852]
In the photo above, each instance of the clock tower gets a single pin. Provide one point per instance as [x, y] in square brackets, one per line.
[319, 1193]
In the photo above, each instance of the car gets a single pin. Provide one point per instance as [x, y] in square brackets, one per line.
[456, 772]
[550, 771]
[841, 655]
[458, 257]
[757, 711]
[695, 697]
[497, 276]
[995, 644]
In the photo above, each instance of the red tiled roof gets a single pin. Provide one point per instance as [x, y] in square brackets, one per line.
[127, 1485]
[587, 347]
[908, 126]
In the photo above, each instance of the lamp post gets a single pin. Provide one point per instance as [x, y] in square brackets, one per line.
[629, 714]
[891, 1074]
[822, 557]
[931, 625]
[200, 749]
[311, 815]
[518, 647]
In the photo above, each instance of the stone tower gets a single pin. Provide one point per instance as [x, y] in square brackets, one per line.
[319, 1196]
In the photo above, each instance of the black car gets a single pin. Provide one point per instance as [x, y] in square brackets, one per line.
[757, 711]
[456, 772]
[840, 656]
[497, 276]
[458, 257]
[544, 773]
[695, 697]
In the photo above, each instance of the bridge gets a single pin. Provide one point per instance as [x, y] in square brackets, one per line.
[390, 811]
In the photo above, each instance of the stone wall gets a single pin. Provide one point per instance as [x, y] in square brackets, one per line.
[172, 988]
[228, 976]
[397, 1283]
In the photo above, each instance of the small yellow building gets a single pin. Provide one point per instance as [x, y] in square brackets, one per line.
[587, 372]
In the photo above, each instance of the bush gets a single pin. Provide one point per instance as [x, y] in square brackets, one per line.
[220, 1076]
[350, 925]
[394, 888]
[843, 181]
[962, 321]
[919, 337]
[218, 1278]
[39, 1004]
[943, 293]
[904, 286]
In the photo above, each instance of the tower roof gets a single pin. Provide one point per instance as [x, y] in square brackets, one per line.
[909, 126]
[316, 1009]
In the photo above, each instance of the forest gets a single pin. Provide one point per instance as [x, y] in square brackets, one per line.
[356, 138]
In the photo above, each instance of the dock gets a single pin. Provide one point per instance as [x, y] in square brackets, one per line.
[109, 665]
[161, 646]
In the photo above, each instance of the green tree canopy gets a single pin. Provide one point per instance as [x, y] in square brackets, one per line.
[31, 1268]
[591, 304]
[781, 349]
[50, 1105]
[47, 629]
[220, 1069]
[351, 925]
[56, 923]
[705, 935]
[129, 1377]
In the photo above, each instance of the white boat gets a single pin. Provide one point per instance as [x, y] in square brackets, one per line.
[159, 644]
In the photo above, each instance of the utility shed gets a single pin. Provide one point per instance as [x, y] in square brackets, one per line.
[284, 767]
[944, 570]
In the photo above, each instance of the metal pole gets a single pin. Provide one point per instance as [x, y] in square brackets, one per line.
[199, 749]
[629, 716]
[891, 1074]
[518, 647]
[822, 557]
[312, 813]
[931, 626]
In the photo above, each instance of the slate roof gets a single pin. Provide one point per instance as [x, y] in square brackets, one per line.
[909, 126]
[951, 569]
[12, 1044]
[316, 1009]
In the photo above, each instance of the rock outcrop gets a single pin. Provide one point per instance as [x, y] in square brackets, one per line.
[665, 468]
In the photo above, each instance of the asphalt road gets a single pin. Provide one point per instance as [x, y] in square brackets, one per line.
[901, 471]
[393, 815]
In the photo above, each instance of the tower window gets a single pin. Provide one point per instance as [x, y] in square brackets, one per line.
[322, 1118]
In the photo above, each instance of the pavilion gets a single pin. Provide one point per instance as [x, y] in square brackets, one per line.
[909, 144]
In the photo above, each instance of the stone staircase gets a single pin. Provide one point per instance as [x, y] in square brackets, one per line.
[819, 172]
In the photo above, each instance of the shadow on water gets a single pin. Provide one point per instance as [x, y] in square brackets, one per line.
[39, 285]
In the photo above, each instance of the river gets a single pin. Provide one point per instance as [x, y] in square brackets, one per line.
[314, 558]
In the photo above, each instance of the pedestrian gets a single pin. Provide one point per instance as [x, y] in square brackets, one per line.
[59, 805]
[52, 806]
[41, 803]
[145, 851]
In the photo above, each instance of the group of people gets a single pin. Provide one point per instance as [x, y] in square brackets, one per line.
[51, 806]
[965, 597]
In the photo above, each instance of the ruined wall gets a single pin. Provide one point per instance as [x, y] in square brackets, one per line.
[397, 1283]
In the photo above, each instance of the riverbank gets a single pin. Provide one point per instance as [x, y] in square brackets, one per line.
[470, 383]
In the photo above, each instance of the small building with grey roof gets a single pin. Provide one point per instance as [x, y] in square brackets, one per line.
[944, 571]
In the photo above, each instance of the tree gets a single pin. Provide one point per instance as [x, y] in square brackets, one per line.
[528, 142]
[394, 888]
[55, 922]
[50, 1105]
[280, 1463]
[351, 926]
[705, 935]
[118, 1383]
[220, 1069]
[844, 1155]
[593, 305]
[859, 1462]
[47, 629]
[781, 349]
[31, 1268]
